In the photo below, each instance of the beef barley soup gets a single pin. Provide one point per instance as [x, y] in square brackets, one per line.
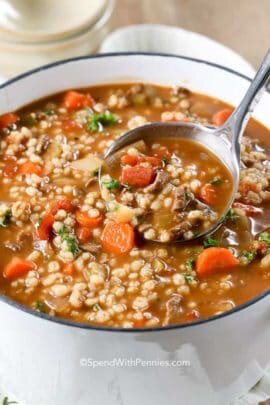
[84, 241]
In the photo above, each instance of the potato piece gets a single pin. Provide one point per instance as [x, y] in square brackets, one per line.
[121, 213]
[89, 163]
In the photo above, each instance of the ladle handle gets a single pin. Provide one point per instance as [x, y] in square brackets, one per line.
[237, 122]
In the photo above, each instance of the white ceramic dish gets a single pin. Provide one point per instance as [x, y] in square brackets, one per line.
[227, 353]
[174, 40]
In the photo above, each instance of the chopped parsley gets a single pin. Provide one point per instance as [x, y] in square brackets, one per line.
[127, 186]
[189, 277]
[231, 215]
[70, 239]
[5, 218]
[6, 401]
[96, 122]
[40, 306]
[249, 255]
[216, 181]
[96, 307]
[209, 241]
[113, 184]
[265, 237]
[50, 112]
[165, 161]
[190, 264]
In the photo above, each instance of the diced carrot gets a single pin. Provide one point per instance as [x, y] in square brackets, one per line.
[84, 220]
[73, 100]
[69, 269]
[8, 119]
[208, 194]
[221, 116]
[45, 226]
[215, 260]
[137, 176]
[83, 233]
[10, 169]
[130, 160]
[118, 238]
[63, 204]
[152, 160]
[17, 267]
[248, 209]
[30, 168]
[162, 153]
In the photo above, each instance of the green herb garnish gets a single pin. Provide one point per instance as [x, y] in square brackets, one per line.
[216, 181]
[113, 184]
[70, 239]
[165, 161]
[96, 307]
[96, 172]
[40, 306]
[5, 218]
[265, 237]
[49, 112]
[127, 186]
[189, 277]
[231, 215]
[209, 241]
[190, 264]
[249, 255]
[96, 122]
[6, 401]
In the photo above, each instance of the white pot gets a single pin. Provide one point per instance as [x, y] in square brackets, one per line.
[40, 358]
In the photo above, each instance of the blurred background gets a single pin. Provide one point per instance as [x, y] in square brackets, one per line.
[36, 32]
[243, 25]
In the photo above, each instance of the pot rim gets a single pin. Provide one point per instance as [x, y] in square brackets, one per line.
[81, 325]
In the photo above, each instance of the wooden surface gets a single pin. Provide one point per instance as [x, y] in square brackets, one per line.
[243, 25]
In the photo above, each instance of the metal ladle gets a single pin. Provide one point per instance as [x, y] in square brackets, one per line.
[224, 141]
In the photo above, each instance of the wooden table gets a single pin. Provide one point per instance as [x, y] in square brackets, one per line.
[243, 25]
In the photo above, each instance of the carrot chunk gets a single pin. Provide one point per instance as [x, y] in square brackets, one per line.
[73, 100]
[8, 119]
[30, 168]
[152, 160]
[215, 260]
[137, 176]
[17, 267]
[11, 168]
[118, 238]
[130, 160]
[83, 233]
[221, 116]
[69, 269]
[84, 220]
[162, 153]
[134, 160]
[208, 194]
[45, 226]
[62, 204]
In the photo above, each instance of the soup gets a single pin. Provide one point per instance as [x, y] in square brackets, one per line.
[87, 242]
[171, 185]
